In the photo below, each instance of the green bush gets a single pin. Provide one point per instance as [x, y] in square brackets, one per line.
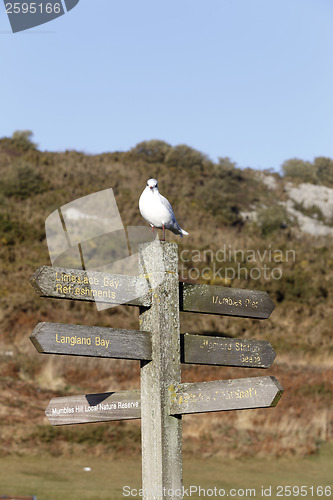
[320, 171]
[186, 157]
[22, 182]
[305, 171]
[324, 168]
[226, 167]
[220, 199]
[271, 219]
[153, 151]
[10, 230]
[22, 140]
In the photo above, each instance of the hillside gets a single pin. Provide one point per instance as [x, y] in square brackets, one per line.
[248, 229]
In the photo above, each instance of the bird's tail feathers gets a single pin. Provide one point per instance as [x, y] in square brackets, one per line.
[182, 232]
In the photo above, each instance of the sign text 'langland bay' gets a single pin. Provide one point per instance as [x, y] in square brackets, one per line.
[93, 341]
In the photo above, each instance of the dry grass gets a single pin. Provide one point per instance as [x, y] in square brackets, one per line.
[299, 329]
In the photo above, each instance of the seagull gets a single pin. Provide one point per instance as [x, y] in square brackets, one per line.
[157, 210]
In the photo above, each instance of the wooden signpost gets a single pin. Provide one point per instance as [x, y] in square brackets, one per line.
[161, 349]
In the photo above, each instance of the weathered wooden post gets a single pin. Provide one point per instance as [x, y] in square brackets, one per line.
[160, 431]
[161, 349]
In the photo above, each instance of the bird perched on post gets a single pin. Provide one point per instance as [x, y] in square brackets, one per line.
[157, 210]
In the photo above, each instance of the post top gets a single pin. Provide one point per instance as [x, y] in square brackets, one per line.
[159, 257]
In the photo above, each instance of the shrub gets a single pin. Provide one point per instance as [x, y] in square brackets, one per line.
[23, 182]
[10, 230]
[298, 169]
[186, 157]
[324, 168]
[221, 200]
[273, 218]
[22, 140]
[153, 151]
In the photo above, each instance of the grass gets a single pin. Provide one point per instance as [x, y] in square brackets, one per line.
[63, 478]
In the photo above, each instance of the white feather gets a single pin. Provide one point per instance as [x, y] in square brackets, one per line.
[157, 210]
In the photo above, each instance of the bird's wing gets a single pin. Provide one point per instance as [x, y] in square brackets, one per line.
[167, 204]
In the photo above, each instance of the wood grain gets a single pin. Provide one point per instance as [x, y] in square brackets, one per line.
[223, 351]
[93, 341]
[91, 408]
[91, 286]
[219, 395]
[226, 301]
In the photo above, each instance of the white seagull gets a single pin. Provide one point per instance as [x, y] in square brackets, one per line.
[157, 210]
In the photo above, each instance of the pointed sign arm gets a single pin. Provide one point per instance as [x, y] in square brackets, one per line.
[225, 351]
[93, 341]
[91, 286]
[226, 301]
[219, 395]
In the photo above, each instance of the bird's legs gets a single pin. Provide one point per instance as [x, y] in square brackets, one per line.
[163, 233]
[153, 228]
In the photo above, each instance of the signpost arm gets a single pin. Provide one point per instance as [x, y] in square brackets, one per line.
[161, 432]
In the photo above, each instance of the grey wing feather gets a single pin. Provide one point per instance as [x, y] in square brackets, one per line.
[175, 228]
[167, 204]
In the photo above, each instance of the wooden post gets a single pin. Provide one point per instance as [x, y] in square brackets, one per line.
[161, 432]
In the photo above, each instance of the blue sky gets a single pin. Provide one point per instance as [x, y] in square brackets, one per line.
[247, 79]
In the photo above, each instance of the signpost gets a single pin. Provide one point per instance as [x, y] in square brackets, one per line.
[161, 349]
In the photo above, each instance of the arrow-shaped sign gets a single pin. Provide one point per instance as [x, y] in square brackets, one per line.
[94, 286]
[202, 397]
[91, 286]
[90, 408]
[93, 341]
[225, 301]
[234, 394]
[206, 350]
[79, 340]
